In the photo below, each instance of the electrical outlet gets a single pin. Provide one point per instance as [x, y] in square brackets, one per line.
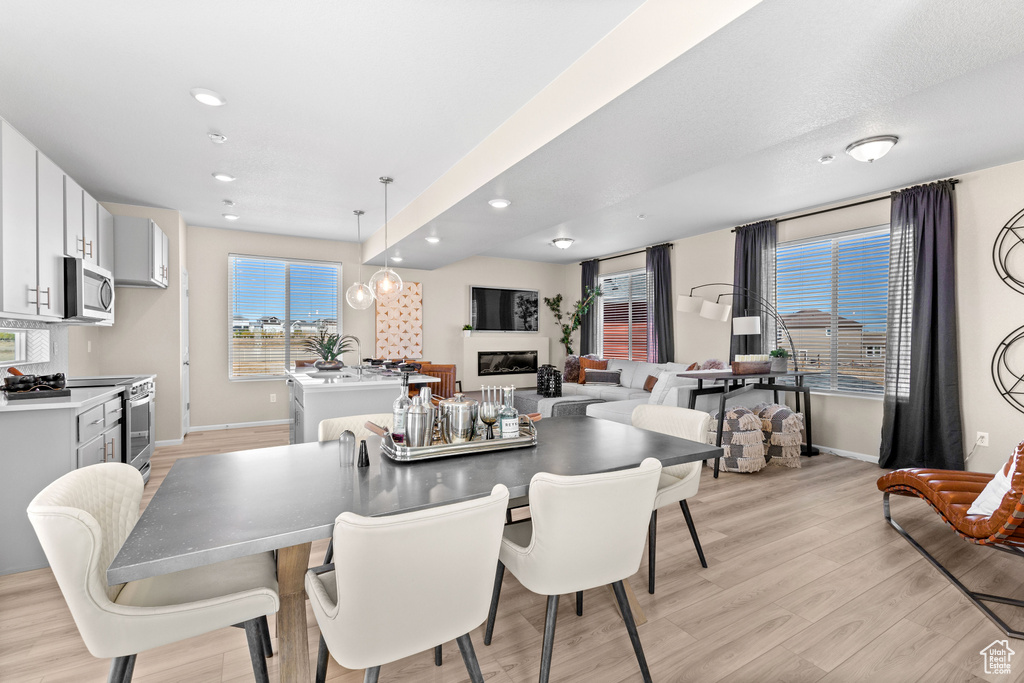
[273, 399]
[982, 439]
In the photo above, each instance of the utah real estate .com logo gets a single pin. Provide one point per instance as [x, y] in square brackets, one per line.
[997, 657]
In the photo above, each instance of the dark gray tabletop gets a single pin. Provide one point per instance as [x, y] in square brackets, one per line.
[218, 507]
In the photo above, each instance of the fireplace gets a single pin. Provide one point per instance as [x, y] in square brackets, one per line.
[491, 363]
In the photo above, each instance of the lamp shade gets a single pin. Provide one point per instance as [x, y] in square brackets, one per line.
[713, 311]
[688, 304]
[748, 324]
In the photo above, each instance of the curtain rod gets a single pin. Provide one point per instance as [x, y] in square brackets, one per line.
[953, 181]
[632, 253]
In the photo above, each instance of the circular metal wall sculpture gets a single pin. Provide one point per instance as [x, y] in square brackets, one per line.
[1008, 368]
[1008, 253]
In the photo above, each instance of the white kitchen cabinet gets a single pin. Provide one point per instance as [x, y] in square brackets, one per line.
[106, 237]
[74, 237]
[90, 228]
[141, 251]
[50, 229]
[18, 284]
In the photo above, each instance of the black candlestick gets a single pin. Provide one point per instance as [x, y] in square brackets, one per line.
[364, 456]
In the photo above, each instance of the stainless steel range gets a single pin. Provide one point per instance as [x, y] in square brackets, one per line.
[139, 415]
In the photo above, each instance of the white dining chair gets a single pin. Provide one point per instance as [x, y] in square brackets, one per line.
[678, 482]
[585, 531]
[405, 583]
[82, 520]
[331, 428]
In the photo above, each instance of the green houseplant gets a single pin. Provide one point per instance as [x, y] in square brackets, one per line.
[329, 348]
[579, 309]
[780, 360]
[467, 330]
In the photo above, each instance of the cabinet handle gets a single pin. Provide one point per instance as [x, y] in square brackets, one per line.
[89, 253]
[96, 422]
[30, 289]
[47, 298]
[113, 450]
[80, 248]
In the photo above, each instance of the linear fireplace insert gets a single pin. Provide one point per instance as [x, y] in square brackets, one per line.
[506, 362]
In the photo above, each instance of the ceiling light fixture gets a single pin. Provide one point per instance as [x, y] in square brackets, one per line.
[230, 216]
[208, 97]
[641, 216]
[385, 283]
[217, 138]
[869, 149]
[228, 202]
[396, 259]
[432, 239]
[827, 159]
[224, 177]
[562, 242]
[499, 203]
[358, 295]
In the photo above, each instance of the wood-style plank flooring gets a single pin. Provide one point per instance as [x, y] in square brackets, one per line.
[805, 583]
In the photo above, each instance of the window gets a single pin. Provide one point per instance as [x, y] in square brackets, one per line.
[273, 305]
[837, 285]
[622, 316]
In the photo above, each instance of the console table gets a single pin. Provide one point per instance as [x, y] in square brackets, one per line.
[728, 385]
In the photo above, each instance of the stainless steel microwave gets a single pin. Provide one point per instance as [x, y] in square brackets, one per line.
[88, 292]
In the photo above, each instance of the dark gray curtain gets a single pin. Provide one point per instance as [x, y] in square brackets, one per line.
[588, 321]
[921, 424]
[660, 344]
[754, 270]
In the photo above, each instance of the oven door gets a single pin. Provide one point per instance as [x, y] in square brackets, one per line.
[141, 431]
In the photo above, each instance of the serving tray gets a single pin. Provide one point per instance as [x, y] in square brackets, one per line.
[37, 392]
[402, 453]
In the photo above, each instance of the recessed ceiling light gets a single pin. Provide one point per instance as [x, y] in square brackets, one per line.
[499, 203]
[396, 259]
[217, 138]
[641, 217]
[869, 149]
[230, 216]
[208, 97]
[224, 177]
[432, 240]
[562, 242]
[228, 202]
[827, 159]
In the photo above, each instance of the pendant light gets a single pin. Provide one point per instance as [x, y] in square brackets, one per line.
[358, 295]
[385, 283]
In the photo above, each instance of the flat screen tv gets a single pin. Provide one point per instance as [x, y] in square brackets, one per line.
[497, 309]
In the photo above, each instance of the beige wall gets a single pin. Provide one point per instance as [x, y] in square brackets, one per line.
[146, 335]
[216, 400]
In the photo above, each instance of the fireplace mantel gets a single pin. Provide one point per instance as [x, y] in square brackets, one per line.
[478, 342]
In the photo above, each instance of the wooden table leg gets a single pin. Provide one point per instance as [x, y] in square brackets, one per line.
[293, 644]
[639, 618]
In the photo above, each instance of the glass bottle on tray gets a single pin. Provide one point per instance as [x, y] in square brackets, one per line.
[508, 417]
[400, 409]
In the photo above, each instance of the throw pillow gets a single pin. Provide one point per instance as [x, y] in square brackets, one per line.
[649, 384]
[571, 373]
[693, 366]
[590, 364]
[713, 364]
[609, 377]
[992, 496]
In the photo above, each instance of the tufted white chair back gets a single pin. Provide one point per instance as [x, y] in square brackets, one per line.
[674, 421]
[588, 530]
[331, 429]
[405, 583]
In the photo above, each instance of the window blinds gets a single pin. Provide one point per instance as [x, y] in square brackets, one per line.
[623, 316]
[273, 306]
[832, 294]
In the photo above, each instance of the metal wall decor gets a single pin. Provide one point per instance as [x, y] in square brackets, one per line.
[1008, 252]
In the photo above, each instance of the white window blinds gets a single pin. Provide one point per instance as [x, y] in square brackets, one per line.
[832, 294]
[622, 312]
[273, 305]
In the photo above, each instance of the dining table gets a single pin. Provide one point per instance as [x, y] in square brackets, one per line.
[219, 507]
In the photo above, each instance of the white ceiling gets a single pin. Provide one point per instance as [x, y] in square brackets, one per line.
[324, 97]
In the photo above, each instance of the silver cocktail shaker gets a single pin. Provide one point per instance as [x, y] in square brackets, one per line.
[418, 426]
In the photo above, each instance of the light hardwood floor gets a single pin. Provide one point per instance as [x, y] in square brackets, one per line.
[805, 582]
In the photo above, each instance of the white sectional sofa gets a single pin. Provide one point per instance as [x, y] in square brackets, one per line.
[619, 401]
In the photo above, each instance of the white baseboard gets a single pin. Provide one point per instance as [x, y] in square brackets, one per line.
[236, 425]
[169, 442]
[849, 454]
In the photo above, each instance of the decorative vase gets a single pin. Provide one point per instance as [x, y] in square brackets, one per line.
[780, 364]
[328, 365]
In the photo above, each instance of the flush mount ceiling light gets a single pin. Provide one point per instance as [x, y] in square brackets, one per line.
[641, 216]
[827, 159]
[217, 138]
[385, 283]
[499, 203]
[396, 259]
[230, 216]
[358, 295]
[432, 240]
[869, 149]
[224, 177]
[228, 202]
[208, 97]
[563, 242]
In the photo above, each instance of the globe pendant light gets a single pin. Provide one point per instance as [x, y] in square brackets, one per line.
[385, 283]
[358, 295]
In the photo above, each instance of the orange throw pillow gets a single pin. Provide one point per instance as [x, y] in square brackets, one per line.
[589, 364]
[649, 384]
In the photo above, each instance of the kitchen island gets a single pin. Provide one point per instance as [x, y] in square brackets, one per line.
[316, 396]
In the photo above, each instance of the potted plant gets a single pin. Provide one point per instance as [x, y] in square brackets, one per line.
[579, 309]
[780, 360]
[329, 347]
[467, 330]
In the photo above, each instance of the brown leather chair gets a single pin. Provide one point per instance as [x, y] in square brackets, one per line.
[951, 493]
[446, 373]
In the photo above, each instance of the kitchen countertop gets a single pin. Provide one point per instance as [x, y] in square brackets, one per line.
[80, 399]
[347, 379]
